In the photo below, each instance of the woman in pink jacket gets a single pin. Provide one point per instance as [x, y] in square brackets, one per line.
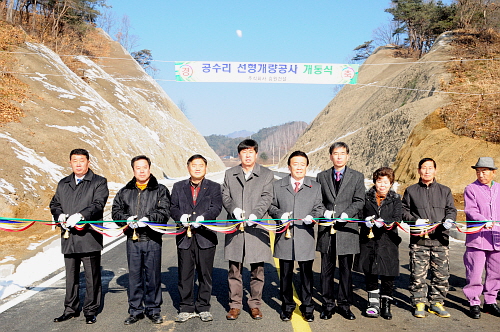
[482, 203]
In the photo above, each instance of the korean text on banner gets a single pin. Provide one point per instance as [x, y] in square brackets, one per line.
[265, 72]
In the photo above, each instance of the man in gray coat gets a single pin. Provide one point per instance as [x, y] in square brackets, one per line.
[297, 198]
[343, 193]
[81, 195]
[247, 195]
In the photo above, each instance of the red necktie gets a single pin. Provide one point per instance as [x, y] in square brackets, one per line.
[337, 176]
[297, 185]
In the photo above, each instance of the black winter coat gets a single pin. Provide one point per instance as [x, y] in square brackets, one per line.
[87, 198]
[208, 204]
[379, 255]
[152, 202]
[434, 202]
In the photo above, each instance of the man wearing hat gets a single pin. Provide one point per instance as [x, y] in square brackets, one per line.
[482, 204]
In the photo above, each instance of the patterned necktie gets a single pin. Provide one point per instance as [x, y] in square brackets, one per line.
[78, 181]
[297, 185]
[337, 175]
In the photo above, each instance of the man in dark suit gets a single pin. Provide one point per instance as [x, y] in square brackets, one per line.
[80, 196]
[302, 197]
[193, 201]
[143, 200]
[343, 193]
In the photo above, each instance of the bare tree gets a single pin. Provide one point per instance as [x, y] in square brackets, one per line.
[107, 22]
[123, 36]
[387, 33]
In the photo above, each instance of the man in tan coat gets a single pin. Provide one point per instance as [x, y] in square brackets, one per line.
[247, 194]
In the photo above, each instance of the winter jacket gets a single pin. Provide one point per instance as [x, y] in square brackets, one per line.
[433, 202]
[152, 202]
[380, 255]
[87, 198]
[482, 203]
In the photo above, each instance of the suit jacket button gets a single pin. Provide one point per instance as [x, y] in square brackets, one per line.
[194, 212]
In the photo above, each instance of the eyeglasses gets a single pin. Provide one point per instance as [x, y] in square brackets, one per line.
[484, 171]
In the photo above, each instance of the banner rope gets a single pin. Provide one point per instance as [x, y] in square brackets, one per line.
[229, 226]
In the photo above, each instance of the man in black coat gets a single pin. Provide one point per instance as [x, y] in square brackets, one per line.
[143, 200]
[80, 196]
[343, 193]
[195, 200]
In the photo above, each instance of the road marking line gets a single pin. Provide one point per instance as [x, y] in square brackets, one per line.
[298, 323]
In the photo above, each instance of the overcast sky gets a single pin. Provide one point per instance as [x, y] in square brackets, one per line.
[324, 31]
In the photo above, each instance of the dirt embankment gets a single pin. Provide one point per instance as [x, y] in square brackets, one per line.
[376, 116]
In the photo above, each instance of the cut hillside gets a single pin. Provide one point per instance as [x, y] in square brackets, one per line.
[376, 116]
[111, 107]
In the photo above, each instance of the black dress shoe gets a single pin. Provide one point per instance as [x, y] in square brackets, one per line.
[90, 319]
[327, 314]
[64, 317]
[308, 316]
[286, 316]
[475, 312]
[346, 313]
[133, 319]
[156, 318]
[492, 309]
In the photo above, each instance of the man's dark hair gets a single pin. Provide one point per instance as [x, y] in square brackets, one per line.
[298, 154]
[139, 158]
[384, 171]
[339, 145]
[79, 152]
[248, 144]
[197, 156]
[421, 162]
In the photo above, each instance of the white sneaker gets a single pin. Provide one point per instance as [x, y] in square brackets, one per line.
[184, 316]
[206, 316]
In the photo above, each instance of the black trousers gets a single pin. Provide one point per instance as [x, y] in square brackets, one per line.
[344, 294]
[286, 286]
[92, 267]
[144, 277]
[386, 284]
[189, 260]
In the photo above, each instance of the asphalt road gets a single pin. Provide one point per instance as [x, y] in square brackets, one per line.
[36, 314]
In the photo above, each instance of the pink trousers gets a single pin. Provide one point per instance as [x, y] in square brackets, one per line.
[476, 261]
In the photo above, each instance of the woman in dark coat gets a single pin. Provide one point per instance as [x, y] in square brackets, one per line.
[379, 245]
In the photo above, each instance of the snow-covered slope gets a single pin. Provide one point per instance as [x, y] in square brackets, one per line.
[109, 106]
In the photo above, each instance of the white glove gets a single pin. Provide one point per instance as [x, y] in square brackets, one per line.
[420, 222]
[308, 220]
[142, 222]
[369, 221]
[131, 218]
[62, 220]
[489, 225]
[379, 222]
[237, 213]
[447, 223]
[328, 214]
[344, 216]
[132, 224]
[74, 219]
[285, 216]
[250, 218]
[197, 223]
[184, 220]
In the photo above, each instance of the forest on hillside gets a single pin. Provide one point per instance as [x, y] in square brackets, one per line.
[274, 141]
